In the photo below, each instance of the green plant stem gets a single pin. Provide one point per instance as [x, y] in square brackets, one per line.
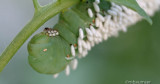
[36, 4]
[42, 14]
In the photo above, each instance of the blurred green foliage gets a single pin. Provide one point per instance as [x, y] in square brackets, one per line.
[134, 55]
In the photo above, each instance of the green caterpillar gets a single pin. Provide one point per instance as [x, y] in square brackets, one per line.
[52, 50]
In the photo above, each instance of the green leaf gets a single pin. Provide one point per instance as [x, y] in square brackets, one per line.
[132, 4]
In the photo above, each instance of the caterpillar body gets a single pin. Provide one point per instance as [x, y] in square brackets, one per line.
[51, 51]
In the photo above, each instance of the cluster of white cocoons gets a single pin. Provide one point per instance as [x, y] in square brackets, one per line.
[118, 18]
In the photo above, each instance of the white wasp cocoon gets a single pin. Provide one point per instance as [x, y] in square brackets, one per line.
[106, 23]
[100, 17]
[124, 29]
[80, 49]
[96, 40]
[98, 34]
[67, 70]
[97, 22]
[90, 38]
[55, 75]
[120, 17]
[100, 25]
[105, 37]
[81, 33]
[79, 42]
[100, 39]
[118, 7]
[111, 12]
[89, 32]
[115, 19]
[113, 4]
[92, 43]
[85, 52]
[93, 29]
[90, 13]
[129, 12]
[103, 30]
[96, 7]
[84, 44]
[97, 1]
[74, 64]
[88, 45]
[115, 10]
[73, 50]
